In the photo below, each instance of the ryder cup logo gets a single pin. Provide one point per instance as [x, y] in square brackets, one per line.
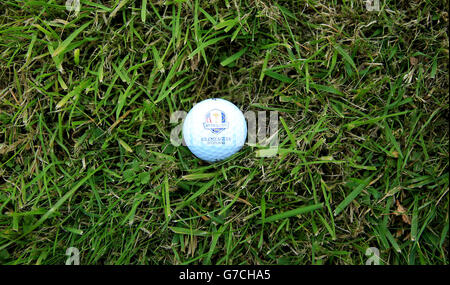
[215, 121]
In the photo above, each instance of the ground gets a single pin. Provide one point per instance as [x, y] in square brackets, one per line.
[86, 159]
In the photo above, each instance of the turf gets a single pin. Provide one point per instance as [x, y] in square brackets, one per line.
[86, 159]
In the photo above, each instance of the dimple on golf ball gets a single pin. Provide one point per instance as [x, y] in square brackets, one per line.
[214, 129]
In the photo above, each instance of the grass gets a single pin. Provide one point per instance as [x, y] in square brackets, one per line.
[86, 159]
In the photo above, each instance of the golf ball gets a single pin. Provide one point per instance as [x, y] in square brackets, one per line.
[214, 129]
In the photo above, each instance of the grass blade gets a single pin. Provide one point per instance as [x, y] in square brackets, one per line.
[233, 57]
[352, 196]
[191, 232]
[346, 56]
[196, 194]
[63, 46]
[61, 201]
[75, 92]
[278, 76]
[295, 212]
[144, 10]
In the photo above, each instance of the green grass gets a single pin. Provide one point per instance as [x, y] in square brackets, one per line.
[86, 159]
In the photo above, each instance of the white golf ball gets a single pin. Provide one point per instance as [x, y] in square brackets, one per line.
[214, 129]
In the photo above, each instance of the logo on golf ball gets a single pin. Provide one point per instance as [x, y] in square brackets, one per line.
[215, 121]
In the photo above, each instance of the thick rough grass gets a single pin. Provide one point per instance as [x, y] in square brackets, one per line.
[86, 159]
